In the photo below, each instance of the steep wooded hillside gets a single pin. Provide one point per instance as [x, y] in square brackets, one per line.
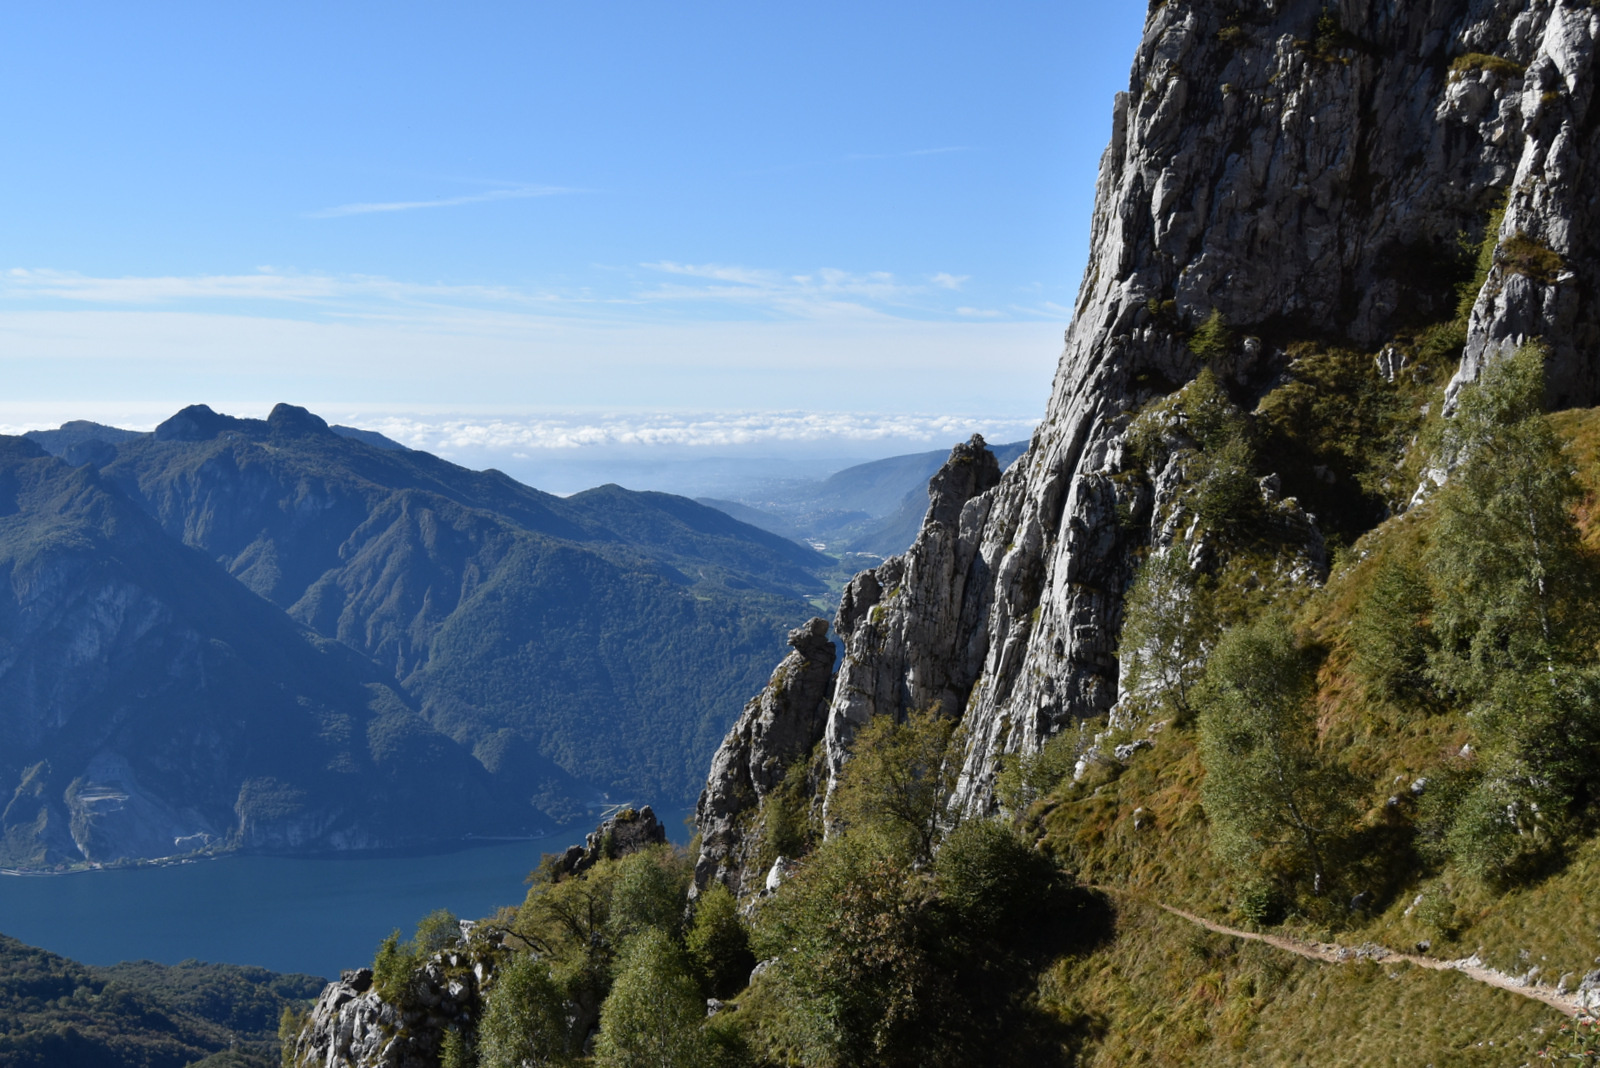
[504, 657]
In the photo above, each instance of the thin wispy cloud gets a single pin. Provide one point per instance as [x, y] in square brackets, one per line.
[821, 293]
[656, 292]
[520, 192]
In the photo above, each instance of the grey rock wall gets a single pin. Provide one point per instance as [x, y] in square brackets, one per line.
[1308, 173]
[779, 726]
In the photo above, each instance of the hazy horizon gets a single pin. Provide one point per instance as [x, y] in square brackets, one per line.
[504, 209]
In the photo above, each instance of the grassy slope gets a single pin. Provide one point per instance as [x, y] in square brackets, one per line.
[1165, 992]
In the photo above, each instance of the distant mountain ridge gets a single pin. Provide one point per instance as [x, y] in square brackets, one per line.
[451, 650]
[874, 508]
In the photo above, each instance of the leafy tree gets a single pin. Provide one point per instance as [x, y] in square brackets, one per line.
[1268, 792]
[290, 1023]
[897, 781]
[567, 923]
[1024, 778]
[438, 930]
[1513, 591]
[654, 1014]
[718, 944]
[1506, 559]
[852, 969]
[525, 1020]
[1167, 627]
[1391, 636]
[648, 892]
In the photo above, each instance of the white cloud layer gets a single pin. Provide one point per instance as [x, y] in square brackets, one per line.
[725, 430]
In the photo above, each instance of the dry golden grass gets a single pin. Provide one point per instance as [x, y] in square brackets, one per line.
[1164, 992]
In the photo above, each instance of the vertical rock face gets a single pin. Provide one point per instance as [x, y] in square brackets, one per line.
[1305, 171]
[1542, 284]
[779, 726]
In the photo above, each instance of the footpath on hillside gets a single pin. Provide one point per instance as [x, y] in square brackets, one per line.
[1333, 953]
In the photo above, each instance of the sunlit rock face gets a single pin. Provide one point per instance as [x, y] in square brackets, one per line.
[1307, 172]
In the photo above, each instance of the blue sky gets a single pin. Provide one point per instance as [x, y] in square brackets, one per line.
[406, 211]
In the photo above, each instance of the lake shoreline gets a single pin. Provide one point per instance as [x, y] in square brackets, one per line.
[441, 848]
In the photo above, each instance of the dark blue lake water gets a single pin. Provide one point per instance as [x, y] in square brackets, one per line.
[314, 915]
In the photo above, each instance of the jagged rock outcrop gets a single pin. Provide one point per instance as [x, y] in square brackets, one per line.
[1542, 284]
[352, 1026]
[1304, 171]
[781, 724]
[619, 835]
[355, 1024]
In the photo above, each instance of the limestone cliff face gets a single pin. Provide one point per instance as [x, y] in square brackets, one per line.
[780, 725]
[1307, 173]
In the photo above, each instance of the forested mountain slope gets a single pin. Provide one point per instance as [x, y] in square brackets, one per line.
[532, 646]
[56, 1013]
[154, 706]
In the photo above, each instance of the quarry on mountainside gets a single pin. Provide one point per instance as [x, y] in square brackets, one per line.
[1285, 621]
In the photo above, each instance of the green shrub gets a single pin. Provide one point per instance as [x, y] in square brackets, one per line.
[1521, 254]
[993, 883]
[1261, 904]
[718, 944]
[1273, 800]
[438, 930]
[392, 969]
[525, 1019]
[786, 816]
[1436, 912]
[1476, 61]
[653, 1016]
[852, 971]
[1024, 778]
[1483, 260]
[1212, 339]
[454, 1052]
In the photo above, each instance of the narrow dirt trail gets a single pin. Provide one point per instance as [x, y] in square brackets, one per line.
[1332, 953]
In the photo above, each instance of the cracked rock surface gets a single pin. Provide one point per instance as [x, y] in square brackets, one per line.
[1304, 178]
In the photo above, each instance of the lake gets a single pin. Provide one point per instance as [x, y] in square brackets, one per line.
[291, 914]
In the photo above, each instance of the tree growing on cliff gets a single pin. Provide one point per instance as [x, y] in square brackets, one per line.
[898, 780]
[1272, 798]
[525, 1021]
[1167, 627]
